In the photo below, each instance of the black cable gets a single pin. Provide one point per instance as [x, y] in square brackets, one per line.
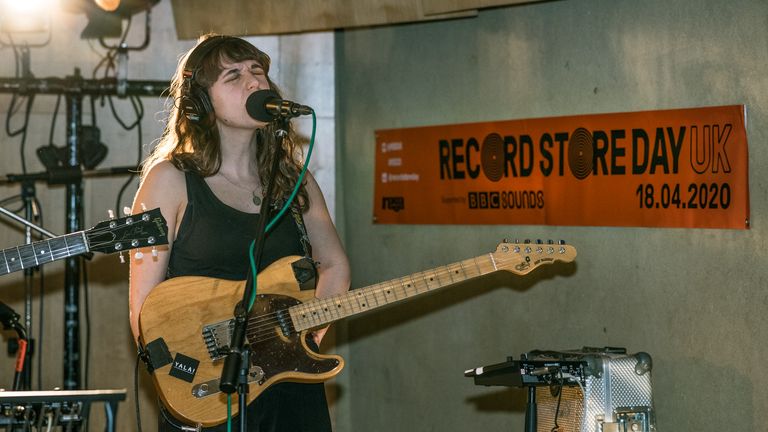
[140, 106]
[136, 392]
[22, 147]
[93, 110]
[53, 121]
[39, 352]
[41, 293]
[87, 315]
[556, 428]
[12, 111]
[10, 199]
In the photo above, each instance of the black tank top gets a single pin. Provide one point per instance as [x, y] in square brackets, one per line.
[214, 239]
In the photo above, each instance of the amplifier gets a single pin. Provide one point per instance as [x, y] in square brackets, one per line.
[585, 390]
[615, 396]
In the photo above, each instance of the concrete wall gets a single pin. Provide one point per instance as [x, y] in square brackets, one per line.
[302, 66]
[694, 299]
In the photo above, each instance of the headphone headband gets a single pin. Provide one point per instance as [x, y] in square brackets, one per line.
[200, 52]
[195, 102]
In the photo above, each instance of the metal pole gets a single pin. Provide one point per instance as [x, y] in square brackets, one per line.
[72, 265]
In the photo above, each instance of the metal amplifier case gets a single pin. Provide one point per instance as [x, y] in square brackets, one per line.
[614, 397]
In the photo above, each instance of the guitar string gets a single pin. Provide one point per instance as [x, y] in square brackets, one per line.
[263, 325]
[34, 259]
[377, 291]
[269, 321]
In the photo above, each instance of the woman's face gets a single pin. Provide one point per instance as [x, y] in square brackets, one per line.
[231, 90]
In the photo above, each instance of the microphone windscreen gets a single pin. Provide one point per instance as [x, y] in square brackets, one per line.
[256, 105]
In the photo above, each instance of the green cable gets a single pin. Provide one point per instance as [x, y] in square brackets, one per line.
[254, 270]
[229, 412]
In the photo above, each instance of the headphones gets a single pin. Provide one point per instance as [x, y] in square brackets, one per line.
[194, 102]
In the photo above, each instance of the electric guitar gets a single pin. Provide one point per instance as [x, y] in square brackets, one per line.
[115, 235]
[185, 324]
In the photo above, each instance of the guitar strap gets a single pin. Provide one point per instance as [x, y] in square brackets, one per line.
[303, 236]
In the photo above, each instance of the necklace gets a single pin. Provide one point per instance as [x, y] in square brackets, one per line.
[255, 197]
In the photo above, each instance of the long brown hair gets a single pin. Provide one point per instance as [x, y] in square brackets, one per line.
[196, 146]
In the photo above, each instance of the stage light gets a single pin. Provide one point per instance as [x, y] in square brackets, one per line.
[105, 17]
[108, 5]
[26, 16]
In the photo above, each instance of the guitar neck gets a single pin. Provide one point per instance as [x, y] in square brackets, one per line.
[319, 312]
[42, 252]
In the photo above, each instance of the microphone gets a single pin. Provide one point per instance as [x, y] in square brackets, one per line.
[266, 105]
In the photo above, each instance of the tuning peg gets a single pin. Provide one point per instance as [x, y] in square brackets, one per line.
[127, 211]
[111, 213]
[154, 251]
[122, 258]
[138, 255]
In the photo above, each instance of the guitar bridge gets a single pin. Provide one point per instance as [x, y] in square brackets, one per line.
[217, 338]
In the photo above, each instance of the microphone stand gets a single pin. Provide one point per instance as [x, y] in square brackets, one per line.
[234, 374]
[30, 214]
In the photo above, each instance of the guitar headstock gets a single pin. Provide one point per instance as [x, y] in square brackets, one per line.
[130, 232]
[522, 258]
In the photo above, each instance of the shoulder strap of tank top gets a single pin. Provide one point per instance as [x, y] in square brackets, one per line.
[194, 188]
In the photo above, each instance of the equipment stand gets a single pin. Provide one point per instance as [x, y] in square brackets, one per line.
[28, 196]
[74, 88]
[530, 411]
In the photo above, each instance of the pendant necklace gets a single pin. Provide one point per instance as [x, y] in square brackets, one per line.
[255, 198]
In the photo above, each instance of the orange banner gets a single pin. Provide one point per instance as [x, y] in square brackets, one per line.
[671, 168]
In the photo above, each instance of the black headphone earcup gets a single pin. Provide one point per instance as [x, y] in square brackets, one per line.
[195, 103]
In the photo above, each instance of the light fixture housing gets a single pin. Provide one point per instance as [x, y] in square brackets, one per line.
[105, 17]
